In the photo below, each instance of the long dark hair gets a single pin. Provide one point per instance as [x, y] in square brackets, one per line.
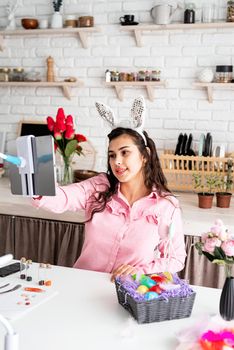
[152, 171]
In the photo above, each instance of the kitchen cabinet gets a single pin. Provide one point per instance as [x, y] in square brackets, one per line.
[148, 85]
[209, 87]
[49, 241]
[65, 86]
[138, 30]
[82, 33]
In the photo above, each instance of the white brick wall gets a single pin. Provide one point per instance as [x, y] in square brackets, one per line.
[179, 55]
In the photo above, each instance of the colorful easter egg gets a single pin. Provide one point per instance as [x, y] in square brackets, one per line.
[168, 276]
[147, 281]
[150, 296]
[156, 289]
[142, 289]
[158, 278]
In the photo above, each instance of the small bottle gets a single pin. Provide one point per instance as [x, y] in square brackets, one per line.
[108, 76]
[29, 270]
[22, 268]
[48, 280]
[41, 274]
[189, 14]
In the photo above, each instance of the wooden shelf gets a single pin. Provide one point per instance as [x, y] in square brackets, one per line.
[65, 86]
[137, 30]
[81, 32]
[148, 85]
[210, 86]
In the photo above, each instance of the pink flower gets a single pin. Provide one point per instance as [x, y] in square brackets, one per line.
[211, 243]
[204, 236]
[220, 230]
[228, 247]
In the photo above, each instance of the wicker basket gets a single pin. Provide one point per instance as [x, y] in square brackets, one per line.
[156, 310]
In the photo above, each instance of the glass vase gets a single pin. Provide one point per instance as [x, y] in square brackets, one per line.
[64, 170]
[226, 304]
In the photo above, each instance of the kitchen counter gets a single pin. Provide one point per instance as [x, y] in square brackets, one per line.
[196, 220]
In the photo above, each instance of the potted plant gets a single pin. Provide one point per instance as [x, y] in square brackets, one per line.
[206, 186]
[225, 183]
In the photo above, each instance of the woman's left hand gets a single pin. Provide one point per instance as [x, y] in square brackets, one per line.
[123, 270]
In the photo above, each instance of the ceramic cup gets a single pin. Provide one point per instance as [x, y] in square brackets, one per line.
[43, 24]
[127, 19]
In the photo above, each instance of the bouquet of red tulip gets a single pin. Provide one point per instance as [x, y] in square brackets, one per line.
[67, 143]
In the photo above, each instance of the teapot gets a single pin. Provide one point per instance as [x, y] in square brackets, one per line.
[162, 13]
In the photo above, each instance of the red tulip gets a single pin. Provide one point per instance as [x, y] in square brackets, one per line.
[57, 134]
[69, 120]
[69, 133]
[60, 125]
[60, 115]
[50, 123]
[80, 138]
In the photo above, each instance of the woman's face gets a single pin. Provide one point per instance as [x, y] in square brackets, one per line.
[125, 160]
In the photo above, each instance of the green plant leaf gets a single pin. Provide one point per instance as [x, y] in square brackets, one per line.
[70, 148]
[198, 246]
[209, 256]
[219, 254]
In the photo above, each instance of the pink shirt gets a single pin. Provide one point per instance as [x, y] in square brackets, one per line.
[122, 234]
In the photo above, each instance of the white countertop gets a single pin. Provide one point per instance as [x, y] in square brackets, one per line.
[85, 314]
[196, 220]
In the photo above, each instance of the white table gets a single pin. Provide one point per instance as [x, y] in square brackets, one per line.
[86, 315]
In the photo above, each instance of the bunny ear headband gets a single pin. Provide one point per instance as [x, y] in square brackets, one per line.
[137, 114]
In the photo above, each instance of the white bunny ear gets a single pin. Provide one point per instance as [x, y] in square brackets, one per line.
[138, 112]
[106, 113]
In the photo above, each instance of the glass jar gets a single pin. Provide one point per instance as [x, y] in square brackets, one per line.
[230, 11]
[223, 74]
[4, 74]
[17, 74]
[141, 75]
[155, 75]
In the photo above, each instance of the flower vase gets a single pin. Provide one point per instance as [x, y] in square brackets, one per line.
[56, 20]
[67, 173]
[226, 304]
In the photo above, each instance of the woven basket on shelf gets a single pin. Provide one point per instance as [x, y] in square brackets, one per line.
[156, 310]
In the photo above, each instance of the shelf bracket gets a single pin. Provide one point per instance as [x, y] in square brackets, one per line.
[150, 93]
[1, 43]
[84, 39]
[119, 92]
[66, 92]
[210, 93]
[138, 37]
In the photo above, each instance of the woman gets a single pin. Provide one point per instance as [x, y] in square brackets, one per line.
[133, 222]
